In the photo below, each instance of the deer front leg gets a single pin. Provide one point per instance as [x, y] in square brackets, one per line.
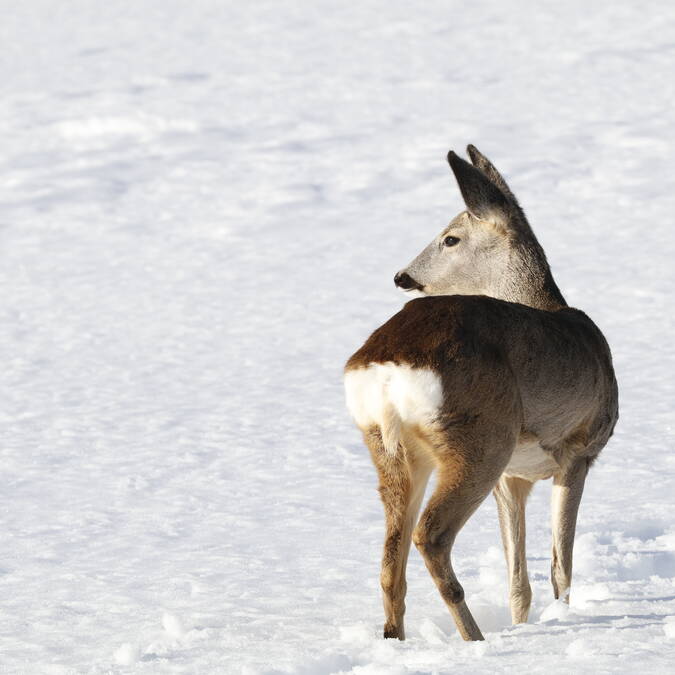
[511, 494]
[568, 486]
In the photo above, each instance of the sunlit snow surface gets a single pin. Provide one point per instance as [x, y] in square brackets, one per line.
[202, 206]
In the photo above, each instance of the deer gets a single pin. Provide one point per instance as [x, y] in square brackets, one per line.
[490, 379]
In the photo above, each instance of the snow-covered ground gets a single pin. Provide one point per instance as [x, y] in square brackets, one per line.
[202, 206]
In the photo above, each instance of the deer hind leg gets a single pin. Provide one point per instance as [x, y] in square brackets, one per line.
[403, 478]
[511, 494]
[464, 480]
[568, 486]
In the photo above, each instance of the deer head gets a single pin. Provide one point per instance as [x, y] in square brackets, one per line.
[488, 249]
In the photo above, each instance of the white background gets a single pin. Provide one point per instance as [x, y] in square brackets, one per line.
[202, 207]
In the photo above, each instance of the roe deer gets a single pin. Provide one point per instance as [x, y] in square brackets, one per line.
[495, 383]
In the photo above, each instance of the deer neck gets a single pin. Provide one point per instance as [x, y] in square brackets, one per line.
[529, 280]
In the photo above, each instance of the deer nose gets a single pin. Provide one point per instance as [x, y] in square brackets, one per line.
[405, 281]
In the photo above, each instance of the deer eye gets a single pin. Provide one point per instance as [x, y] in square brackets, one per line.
[451, 241]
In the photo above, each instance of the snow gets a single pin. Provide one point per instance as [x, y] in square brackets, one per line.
[202, 207]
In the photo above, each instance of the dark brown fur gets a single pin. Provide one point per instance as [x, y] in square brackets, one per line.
[448, 333]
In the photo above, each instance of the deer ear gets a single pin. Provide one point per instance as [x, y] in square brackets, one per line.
[480, 161]
[482, 197]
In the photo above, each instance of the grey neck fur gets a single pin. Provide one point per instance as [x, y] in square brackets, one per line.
[530, 281]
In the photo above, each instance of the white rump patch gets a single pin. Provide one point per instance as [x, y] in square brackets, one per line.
[386, 394]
